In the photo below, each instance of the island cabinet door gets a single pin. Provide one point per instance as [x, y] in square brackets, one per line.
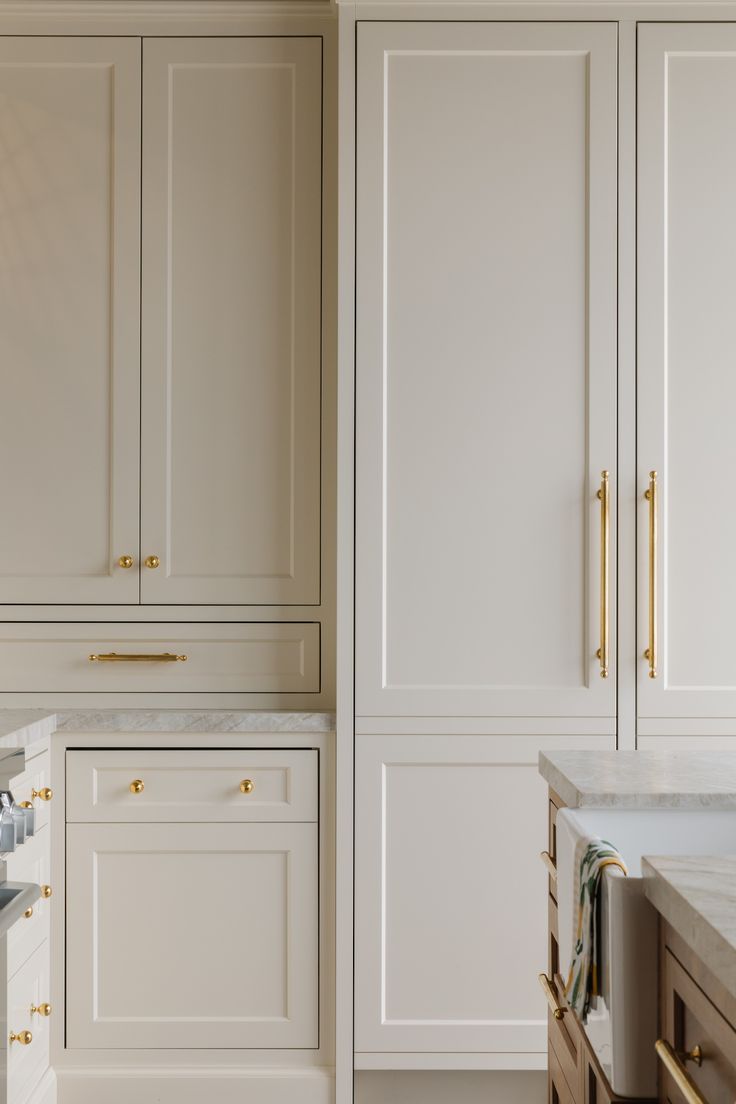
[231, 334]
[486, 368]
[686, 379]
[192, 936]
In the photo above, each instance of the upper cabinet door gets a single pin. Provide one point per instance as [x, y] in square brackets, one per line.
[231, 339]
[69, 318]
[486, 367]
[686, 374]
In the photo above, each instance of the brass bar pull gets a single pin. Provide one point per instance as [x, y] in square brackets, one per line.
[160, 657]
[603, 495]
[549, 862]
[651, 496]
[671, 1062]
[552, 1001]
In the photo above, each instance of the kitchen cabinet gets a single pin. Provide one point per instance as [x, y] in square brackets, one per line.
[485, 369]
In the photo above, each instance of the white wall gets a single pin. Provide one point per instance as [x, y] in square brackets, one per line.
[458, 1087]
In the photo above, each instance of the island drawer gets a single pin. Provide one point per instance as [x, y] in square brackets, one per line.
[564, 1033]
[188, 786]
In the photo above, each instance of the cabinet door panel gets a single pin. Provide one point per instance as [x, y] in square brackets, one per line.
[486, 366]
[231, 320]
[69, 318]
[144, 901]
[687, 385]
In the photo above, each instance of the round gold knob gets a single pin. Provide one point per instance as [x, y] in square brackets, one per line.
[125, 561]
[137, 785]
[46, 891]
[26, 804]
[152, 561]
[45, 793]
[22, 1037]
[28, 913]
[247, 786]
[41, 1009]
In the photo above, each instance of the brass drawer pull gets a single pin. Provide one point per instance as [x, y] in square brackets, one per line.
[549, 862]
[152, 562]
[46, 892]
[137, 786]
[247, 786]
[651, 652]
[41, 1009]
[675, 1068]
[28, 913]
[45, 793]
[552, 1001]
[156, 657]
[126, 562]
[603, 495]
[22, 1037]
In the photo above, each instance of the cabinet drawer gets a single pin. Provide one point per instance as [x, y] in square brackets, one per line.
[565, 1035]
[34, 778]
[558, 1091]
[221, 658]
[192, 786]
[30, 863]
[28, 989]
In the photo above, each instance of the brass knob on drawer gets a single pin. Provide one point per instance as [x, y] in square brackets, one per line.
[152, 561]
[137, 786]
[46, 891]
[247, 786]
[26, 804]
[125, 561]
[45, 793]
[41, 1009]
[22, 1037]
[28, 913]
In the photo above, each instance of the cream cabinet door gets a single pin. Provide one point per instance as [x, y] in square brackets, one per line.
[450, 895]
[686, 376]
[486, 367]
[231, 320]
[69, 318]
[192, 936]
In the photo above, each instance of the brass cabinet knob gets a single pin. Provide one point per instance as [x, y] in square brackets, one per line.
[28, 913]
[26, 804]
[41, 1009]
[137, 785]
[46, 891]
[152, 561]
[45, 793]
[247, 786]
[126, 561]
[22, 1037]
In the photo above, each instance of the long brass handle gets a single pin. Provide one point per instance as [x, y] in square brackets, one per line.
[156, 657]
[671, 1062]
[603, 495]
[557, 1011]
[651, 652]
[549, 862]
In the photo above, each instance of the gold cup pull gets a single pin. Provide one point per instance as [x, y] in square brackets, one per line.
[603, 495]
[651, 652]
[41, 1009]
[152, 561]
[555, 1008]
[672, 1062]
[46, 892]
[45, 793]
[22, 1037]
[137, 786]
[126, 561]
[28, 913]
[247, 786]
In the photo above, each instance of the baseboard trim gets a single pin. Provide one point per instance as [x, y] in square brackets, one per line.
[190, 1085]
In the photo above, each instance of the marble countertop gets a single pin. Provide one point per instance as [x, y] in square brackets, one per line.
[697, 896]
[21, 727]
[642, 779]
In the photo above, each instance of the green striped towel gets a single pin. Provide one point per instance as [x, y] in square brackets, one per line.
[585, 968]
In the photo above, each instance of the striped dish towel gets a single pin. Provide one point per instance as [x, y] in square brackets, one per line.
[592, 856]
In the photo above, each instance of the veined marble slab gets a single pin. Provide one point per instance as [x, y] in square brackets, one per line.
[19, 728]
[697, 896]
[642, 779]
[191, 720]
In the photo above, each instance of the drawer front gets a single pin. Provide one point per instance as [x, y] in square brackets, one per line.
[191, 786]
[28, 989]
[30, 863]
[690, 1020]
[564, 1034]
[221, 658]
[34, 779]
[558, 1091]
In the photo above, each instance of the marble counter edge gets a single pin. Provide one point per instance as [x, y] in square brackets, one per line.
[19, 728]
[205, 721]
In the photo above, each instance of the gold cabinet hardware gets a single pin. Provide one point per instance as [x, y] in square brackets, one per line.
[26, 804]
[549, 862]
[154, 657]
[28, 913]
[675, 1068]
[126, 561]
[247, 786]
[45, 793]
[46, 891]
[152, 561]
[552, 1001]
[695, 1054]
[41, 1009]
[603, 495]
[137, 786]
[22, 1037]
[651, 652]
